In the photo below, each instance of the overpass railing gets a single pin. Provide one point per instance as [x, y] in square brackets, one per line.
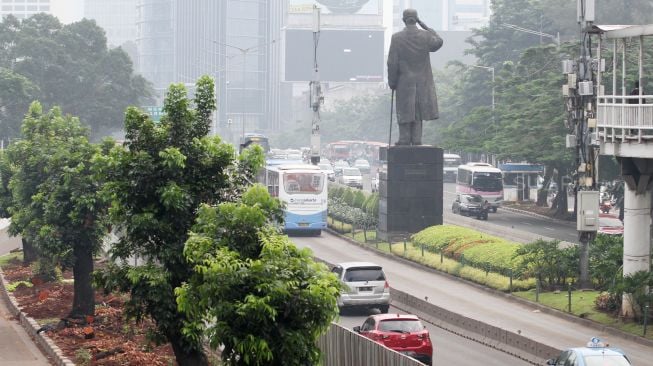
[623, 118]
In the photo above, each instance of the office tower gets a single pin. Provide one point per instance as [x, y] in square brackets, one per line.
[24, 8]
[117, 18]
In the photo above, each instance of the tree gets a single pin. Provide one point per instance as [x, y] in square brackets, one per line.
[156, 183]
[16, 93]
[71, 67]
[252, 292]
[55, 204]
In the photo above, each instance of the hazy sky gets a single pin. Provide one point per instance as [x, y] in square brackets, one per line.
[68, 11]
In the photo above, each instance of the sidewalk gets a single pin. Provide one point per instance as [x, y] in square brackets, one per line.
[16, 347]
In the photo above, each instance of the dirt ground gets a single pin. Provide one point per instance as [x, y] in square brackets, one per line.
[115, 341]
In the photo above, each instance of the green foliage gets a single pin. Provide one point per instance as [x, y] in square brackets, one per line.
[54, 196]
[83, 357]
[606, 258]
[252, 291]
[157, 182]
[551, 265]
[635, 287]
[359, 199]
[480, 250]
[348, 197]
[12, 286]
[66, 65]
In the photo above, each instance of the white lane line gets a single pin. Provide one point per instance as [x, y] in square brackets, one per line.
[549, 228]
[527, 223]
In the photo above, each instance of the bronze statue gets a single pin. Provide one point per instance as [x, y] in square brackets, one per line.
[410, 75]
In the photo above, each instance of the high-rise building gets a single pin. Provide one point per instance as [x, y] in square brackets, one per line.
[117, 18]
[445, 15]
[236, 42]
[24, 8]
[155, 26]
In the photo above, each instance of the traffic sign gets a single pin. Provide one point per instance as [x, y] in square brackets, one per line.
[154, 112]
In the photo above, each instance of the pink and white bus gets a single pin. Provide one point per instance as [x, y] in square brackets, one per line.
[482, 179]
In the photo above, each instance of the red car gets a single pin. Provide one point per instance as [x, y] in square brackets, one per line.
[401, 332]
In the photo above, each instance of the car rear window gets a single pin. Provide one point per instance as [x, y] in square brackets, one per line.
[356, 274]
[401, 325]
[612, 360]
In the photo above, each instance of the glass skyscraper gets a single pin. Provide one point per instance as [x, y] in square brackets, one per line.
[24, 8]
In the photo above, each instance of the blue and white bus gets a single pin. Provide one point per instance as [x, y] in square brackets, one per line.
[303, 190]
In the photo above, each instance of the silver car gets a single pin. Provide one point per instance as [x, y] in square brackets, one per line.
[366, 286]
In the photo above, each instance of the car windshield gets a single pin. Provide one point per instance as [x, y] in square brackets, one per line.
[606, 360]
[401, 325]
[474, 199]
[351, 172]
[303, 183]
[362, 274]
[361, 162]
[487, 182]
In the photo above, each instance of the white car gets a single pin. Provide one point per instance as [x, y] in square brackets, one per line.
[362, 165]
[328, 169]
[351, 177]
[366, 286]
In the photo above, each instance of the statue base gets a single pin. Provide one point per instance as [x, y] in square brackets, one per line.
[410, 191]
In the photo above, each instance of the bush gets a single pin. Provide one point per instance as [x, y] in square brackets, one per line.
[552, 266]
[359, 199]
[348, 197]
[372, 205]
[607, 302]
[606, 259]
[485, 252]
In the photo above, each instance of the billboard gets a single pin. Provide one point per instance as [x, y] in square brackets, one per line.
[343, 55]
[369, 7]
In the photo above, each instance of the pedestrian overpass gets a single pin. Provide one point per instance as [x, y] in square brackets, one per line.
[624, 129]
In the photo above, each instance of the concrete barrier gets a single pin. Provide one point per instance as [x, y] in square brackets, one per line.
[500, 339]
[343, 347]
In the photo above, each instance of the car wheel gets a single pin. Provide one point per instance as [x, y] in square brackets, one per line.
[384, 309]
[494, 209]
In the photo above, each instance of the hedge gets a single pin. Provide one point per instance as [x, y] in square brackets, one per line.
[479, 250]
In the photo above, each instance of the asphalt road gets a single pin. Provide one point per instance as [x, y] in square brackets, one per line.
[449, 349]
[555, 229]
[471, 301]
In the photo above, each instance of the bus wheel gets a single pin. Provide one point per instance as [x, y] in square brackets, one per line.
[317, 232]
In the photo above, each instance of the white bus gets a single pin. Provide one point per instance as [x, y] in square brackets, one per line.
[482, 179]
[450, 164]
[303, 190]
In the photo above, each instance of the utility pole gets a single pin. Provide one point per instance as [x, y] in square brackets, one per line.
[580, 99]
[316, 97]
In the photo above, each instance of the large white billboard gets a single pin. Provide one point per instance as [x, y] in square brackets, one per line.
[369, 7]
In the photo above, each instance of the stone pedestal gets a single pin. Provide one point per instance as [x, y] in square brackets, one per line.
[410, 190]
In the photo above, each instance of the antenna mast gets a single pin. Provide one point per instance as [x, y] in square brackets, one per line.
[316, 98]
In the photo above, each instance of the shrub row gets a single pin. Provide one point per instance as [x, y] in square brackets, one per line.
[476, 249]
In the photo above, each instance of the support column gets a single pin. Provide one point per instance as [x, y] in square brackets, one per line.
[637, 238]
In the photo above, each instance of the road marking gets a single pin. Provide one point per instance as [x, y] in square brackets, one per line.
[527, 223]
[548, 228]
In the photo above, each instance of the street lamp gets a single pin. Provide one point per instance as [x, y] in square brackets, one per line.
[244, 52]
[492, 70]
[555, 38]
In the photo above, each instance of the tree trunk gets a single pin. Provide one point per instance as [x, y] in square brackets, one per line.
[30, 254]
[543, 193]
[84, 293]
[185, 355]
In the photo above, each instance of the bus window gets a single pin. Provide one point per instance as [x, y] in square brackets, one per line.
[305, 183]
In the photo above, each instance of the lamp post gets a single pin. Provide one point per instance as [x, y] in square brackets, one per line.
[555, 38]
[244, 52]
[491, 69]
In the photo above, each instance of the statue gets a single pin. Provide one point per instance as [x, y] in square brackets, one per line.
[410, 75]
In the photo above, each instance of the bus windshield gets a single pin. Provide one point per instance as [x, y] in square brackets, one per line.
[303, 183]
[490, 182]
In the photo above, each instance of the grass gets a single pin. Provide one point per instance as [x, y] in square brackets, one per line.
[8, 258]
[582, 305]
[582, 302]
